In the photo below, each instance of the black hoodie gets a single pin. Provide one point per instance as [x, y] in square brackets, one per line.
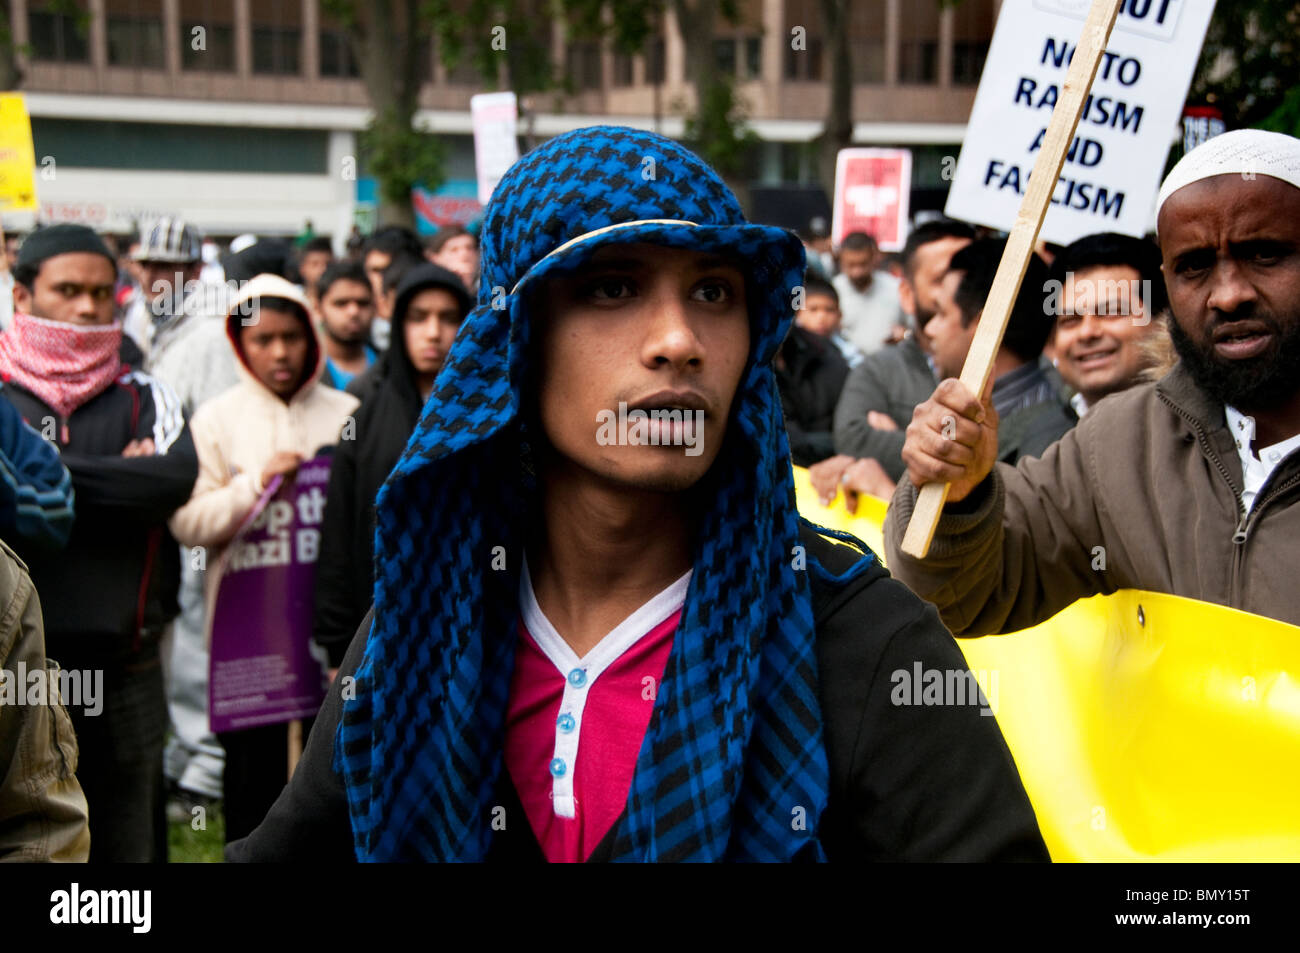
[390, 408]
[909, 782]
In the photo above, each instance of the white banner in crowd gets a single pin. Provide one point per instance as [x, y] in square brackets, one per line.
[495, 116]
[1113, 169]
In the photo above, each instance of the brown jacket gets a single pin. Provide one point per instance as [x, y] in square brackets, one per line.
[1145, 493]
[42, 809]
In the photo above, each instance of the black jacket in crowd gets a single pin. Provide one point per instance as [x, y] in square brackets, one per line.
[810, 383]
[908, 781]
[390, 408]
[117, 578]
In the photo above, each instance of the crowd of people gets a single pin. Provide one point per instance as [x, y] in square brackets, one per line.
[519, 586]
[147, 406]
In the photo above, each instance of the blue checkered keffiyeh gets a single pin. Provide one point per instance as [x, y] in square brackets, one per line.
[733, 764]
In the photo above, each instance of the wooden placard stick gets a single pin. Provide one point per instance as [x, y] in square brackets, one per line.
[1020, 245]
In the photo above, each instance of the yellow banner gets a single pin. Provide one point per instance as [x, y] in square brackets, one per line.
[1145, 726]
[17, 156]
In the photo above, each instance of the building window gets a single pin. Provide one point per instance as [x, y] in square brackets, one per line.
[623, 73]
[724, 55]
[584, 66]
[968, 62]
[918, 62]
[655, 69]
[423, 62]
[805, 64]
[868, 59]
[336, 57]
[206, 46]
[136, 42]
[207, 36]
[57, 37]
[277, 50]
[181, 147]
[753, 57]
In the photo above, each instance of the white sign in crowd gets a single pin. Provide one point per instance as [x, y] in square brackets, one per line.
[1113, 169]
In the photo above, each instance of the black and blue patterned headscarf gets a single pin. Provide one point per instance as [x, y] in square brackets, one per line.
[733, 765]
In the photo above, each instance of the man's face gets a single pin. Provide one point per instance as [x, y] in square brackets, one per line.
[460, 256]
[159, 278]
[312, 266]
[11, 251]
[1100, 331]
[858, 265]
[346, 310]
[275, 348]
[1231, 250]
[375, 263]
[917, 293]
[949, 341]
[76, 288]
[432, 319]
[655, 328]
[820, 314]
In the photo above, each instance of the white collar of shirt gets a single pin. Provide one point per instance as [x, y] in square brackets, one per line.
[1079, 404]
[581, 673]
[1255, 470]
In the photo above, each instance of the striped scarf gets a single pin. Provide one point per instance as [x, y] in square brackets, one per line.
[63, 364]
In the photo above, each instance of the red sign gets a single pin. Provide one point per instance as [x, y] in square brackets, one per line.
[872, 188]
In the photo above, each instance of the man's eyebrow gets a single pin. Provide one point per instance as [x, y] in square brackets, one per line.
[1192, 248]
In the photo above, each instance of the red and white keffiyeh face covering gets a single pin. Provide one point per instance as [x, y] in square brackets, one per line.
[63, 364]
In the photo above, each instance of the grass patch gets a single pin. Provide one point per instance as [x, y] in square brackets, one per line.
[185, 845]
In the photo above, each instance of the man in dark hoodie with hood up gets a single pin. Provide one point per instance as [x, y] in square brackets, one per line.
[430, 305]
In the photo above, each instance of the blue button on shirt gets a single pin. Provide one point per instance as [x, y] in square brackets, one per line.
[577, 678]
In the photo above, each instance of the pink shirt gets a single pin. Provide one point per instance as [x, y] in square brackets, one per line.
[574, 726]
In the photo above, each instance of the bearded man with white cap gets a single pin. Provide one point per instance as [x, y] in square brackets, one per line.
[1187, 486]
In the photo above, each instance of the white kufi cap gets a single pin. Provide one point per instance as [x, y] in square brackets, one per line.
[1247, 152]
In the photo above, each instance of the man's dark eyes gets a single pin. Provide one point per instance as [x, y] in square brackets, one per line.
[608, 288]
[1193, 263]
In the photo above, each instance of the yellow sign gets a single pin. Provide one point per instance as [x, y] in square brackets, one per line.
[1145, 726]
[17, 156]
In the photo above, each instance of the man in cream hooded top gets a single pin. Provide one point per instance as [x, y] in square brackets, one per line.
[254, 430]
[278, 415]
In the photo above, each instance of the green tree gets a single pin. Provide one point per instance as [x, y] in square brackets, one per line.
[716, 129]
[386, 36]
[837, 132]
[11, 74]
[1250, 64]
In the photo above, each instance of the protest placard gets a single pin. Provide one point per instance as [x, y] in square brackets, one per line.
[1113, 168]
[262, 669]
[872, 194]
[17, 156]
[494, 117]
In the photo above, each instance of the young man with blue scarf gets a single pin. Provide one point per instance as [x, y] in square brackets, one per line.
[585, 648]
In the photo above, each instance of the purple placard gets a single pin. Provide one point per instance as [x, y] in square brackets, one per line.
[262, 668]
